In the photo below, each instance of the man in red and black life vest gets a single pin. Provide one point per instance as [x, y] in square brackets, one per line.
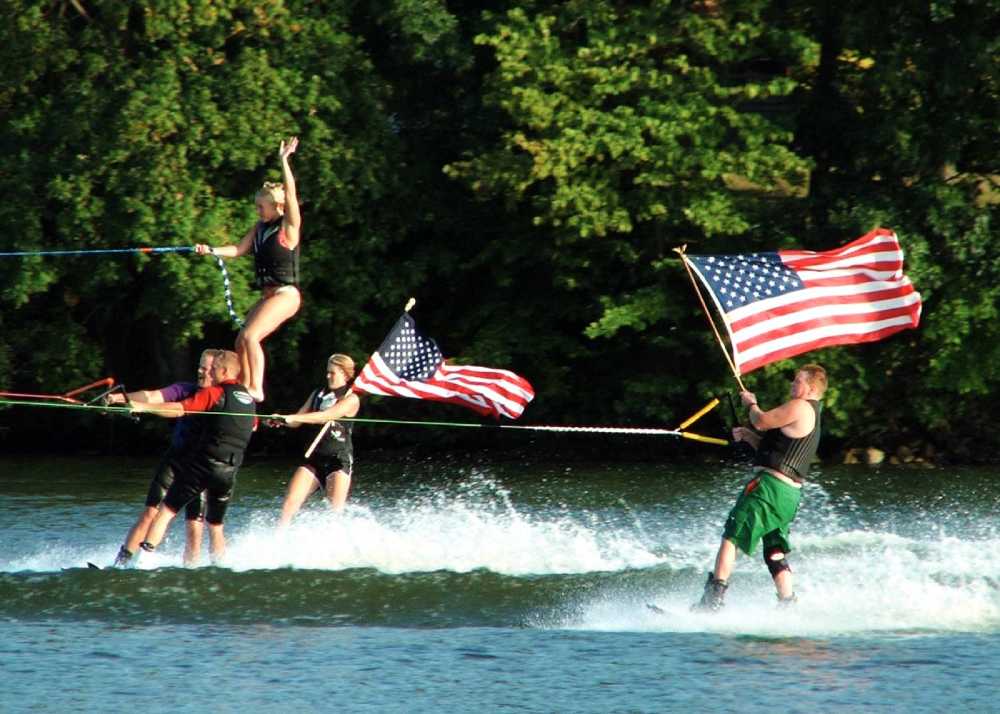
[225, 422]
[163, 476]
[785, 439]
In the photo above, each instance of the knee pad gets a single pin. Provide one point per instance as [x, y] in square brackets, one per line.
[776, 561]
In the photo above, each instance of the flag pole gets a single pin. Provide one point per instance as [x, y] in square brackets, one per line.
[708, 315]
[315, 442]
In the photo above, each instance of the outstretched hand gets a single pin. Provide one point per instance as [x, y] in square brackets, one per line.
[203, 249]
[275, 421]
[288, 148]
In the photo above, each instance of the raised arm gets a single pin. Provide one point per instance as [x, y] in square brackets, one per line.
[293, 219]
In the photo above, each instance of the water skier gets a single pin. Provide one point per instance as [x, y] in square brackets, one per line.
[331, 460]
[166, 470]
[215, 452]
[785, 439]
[274, 242]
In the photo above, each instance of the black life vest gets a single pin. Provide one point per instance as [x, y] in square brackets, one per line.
[790, 456]
[275, 264]
[337, 441]
[226, 436]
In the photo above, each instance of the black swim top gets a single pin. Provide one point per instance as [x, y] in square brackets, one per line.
[276, 265]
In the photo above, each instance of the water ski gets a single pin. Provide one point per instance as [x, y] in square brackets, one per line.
[92, 566]
[656, 609]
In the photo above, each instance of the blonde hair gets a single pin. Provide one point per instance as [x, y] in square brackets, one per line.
[816, 376]
[344, 362]
[230, 362]
[273, 190]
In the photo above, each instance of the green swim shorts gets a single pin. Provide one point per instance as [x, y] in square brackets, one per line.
[763, 512]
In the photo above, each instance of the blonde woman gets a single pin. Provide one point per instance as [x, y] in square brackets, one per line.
[332, 459]
[274, 242]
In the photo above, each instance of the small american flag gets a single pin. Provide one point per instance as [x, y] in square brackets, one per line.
[778, 305]
[409, 364]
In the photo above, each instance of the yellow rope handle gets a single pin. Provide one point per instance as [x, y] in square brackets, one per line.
[699, 414]
[706, 439]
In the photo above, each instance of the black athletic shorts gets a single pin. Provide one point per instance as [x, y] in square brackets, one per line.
[204, 474]
[322, 465]
[162, 478]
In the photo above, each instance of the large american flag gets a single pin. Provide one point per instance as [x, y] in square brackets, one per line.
[778, 305]
[408, 364]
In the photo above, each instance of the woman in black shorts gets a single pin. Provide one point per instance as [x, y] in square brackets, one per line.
[332, 459]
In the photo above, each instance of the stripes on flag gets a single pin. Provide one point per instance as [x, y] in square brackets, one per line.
[778, 305]
[407, 364]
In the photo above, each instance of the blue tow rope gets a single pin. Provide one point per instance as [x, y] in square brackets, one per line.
[162, 249]
[228, 291]
[99, 251]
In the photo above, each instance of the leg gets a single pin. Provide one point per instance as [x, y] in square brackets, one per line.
[725, 559]
[718, 580]
[158, 529]
[182, 491]
[217, 497]
[194, 522]
[138, 532]
[783, 584]
[775, 557]
[301, 486]
[267, 316]
[192, 543]
[338, 484]
[163, 477]
[216, 541]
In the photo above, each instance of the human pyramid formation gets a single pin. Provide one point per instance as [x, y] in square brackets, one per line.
[198, 471]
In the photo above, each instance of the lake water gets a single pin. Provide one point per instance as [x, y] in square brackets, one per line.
[491, 586]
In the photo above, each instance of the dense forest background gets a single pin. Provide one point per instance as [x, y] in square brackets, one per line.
[524, 170]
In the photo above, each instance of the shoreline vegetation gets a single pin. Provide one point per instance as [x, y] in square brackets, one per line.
[525, 172]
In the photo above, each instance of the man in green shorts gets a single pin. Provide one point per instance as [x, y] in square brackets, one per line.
[785, 439]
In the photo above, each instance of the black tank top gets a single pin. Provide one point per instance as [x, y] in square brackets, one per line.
[790, 456]
[276, 265]
[337, 441]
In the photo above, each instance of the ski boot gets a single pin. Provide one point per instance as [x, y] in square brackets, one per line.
[123, 559]
[712, 598]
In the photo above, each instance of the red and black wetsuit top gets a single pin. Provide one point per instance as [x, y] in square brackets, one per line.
[223, 436]
[275, 262]
[790, 456]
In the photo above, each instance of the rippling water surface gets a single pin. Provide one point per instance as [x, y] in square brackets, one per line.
[457, 586]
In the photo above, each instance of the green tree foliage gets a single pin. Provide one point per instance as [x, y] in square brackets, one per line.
[524, 170]
[900, 118]
[629, 130]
